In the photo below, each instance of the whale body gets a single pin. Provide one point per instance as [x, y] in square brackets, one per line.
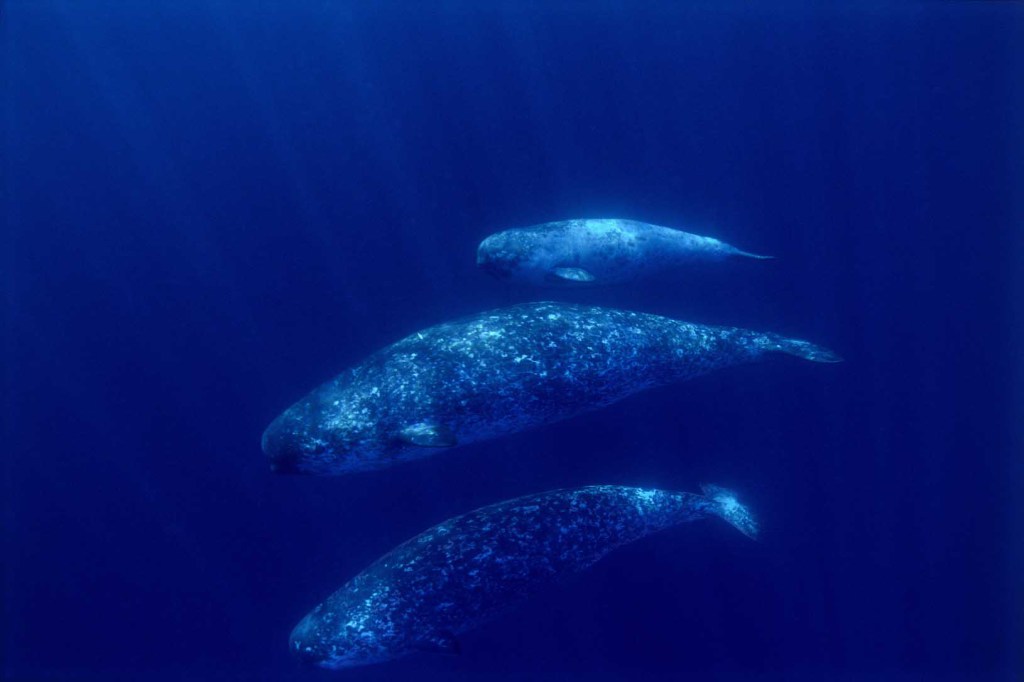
[497, 373]
[460, 573]
[595, 252]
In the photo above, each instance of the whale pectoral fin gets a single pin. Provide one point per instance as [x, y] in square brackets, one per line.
[441, 642]
[428, 435]
[578, 275]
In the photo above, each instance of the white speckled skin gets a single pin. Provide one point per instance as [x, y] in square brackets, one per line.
[611, 250]
[466, 570]
[497, 373]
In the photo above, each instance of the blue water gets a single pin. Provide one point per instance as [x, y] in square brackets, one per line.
[212, 207]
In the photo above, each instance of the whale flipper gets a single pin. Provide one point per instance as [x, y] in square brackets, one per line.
[730, 509]
[441, 642]
[573, 275]
[428, 435]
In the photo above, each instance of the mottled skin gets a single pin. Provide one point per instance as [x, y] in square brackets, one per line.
[594, 252]
[497, 373]
[464, 571]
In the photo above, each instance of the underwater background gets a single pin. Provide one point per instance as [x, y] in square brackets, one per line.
[209, 208]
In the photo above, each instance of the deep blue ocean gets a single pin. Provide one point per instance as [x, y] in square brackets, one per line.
[209, 208]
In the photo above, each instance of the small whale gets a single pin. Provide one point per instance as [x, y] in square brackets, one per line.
[424, 593]
[498, 373]
[595, 252]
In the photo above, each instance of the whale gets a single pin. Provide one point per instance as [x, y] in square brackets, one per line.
[498, 373]
[595, 252]
[423, 594]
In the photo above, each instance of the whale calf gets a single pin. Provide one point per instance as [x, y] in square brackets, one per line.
[460, 573]
[595, 252]
[497, 373]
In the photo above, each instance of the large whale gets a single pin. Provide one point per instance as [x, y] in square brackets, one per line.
[460, 573]
[595, 252]
[497, 373]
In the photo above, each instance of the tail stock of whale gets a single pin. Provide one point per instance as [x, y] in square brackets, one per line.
[712, 248]
[733, 251]
[755, 256]
[729, 509]
[773, 343]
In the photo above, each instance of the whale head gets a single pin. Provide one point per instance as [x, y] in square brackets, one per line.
[540, 255]
[524, 254]
[354, 627]
[501, 255]
[328, 432]
[334, 646]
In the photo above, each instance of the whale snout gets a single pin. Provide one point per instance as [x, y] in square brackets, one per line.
[483, 254]
[494, 258]
[283, 445]
[316, 642]
[304, 643]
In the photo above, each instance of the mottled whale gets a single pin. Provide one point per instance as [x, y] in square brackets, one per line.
[460, 573]
[595, 252]
[497, 373]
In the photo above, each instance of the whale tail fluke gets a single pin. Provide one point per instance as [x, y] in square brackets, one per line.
[773, 343]
[729, 508]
